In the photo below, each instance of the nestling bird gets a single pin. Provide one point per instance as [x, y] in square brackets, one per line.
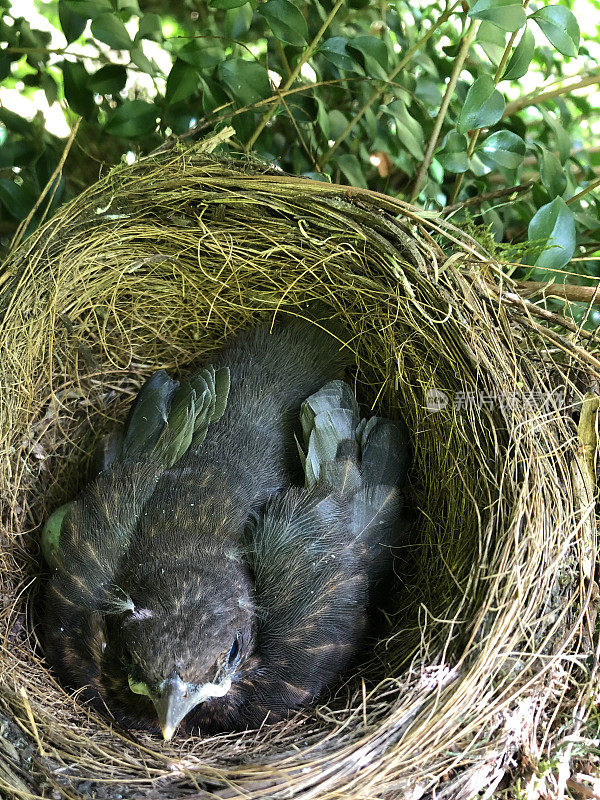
[192, 580]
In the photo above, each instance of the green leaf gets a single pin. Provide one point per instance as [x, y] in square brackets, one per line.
[5, 62]
[16, 123]
[408, 130]
[551, 172]
[492, 40]
[554, 224]
[560, 27]
[202, 56]
[374, 54]
[504, 149]
[323, 119]
[338, 123]
[505, 14]
[136, 54]
[562, 138]
[181, 83]
[213, 95]
[77, 94]
[302, 107]
[127, 7]
[108, 80]
[350, 168]
[453, 155]
[89, 8]
[334, 50]
[72, 24]
[110, 30]
[247, 81]
[428, 92]
[483, 106]
[286, 21]
[133, 119]
[520, 58]
[226, 4]
[150, 27]
[238, 20]
[50, 87]
[17, 199]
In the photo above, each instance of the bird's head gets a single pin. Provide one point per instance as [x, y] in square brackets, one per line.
[185, 639]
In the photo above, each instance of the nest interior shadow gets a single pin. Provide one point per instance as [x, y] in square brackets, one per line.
[155, 266]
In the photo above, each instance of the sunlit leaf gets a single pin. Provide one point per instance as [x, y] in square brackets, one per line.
[286, 21]
[504, 149]
[110, 30]
[72, 23]
[484, 105]
[492, 40]
[506, 14]
[150, 27]
[181, 83]
[520, 59]
[199, 54]
[560, 27]
[551, 172]
[453, 155]
[553, 223]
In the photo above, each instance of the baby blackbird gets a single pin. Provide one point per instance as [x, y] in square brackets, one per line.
[180, 574]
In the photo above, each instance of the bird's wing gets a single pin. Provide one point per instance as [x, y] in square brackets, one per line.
[165, 420]
[169, 418]
[385, 451]
[329, 419]
[311, 597]
[95, 533]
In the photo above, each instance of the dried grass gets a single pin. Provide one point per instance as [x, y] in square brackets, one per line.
[489, 641]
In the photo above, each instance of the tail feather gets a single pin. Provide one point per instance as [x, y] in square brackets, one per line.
[364, 463]
[329, 419]
[148, 415]
[385, 451]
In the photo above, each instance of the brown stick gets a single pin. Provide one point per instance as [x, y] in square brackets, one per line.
[565, 291]
[482, 198]
[537, 99]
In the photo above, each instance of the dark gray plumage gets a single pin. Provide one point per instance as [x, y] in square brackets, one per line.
[151, 605]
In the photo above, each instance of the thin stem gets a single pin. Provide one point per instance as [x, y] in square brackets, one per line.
[535, 100]
[566, 291]
[583, 192]
[475, 134]
[57, 172]
[439, 121]
[485, 196]
[378, 92]
[306, 55]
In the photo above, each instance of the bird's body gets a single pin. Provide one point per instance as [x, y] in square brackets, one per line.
[196, 580]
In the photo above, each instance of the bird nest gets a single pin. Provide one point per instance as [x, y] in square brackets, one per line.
[483, 660]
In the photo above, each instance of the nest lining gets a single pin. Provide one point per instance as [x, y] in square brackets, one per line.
[155, 266]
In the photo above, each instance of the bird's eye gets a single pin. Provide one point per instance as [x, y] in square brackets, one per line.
[234, 652]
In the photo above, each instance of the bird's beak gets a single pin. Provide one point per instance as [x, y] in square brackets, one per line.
[177, 698]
